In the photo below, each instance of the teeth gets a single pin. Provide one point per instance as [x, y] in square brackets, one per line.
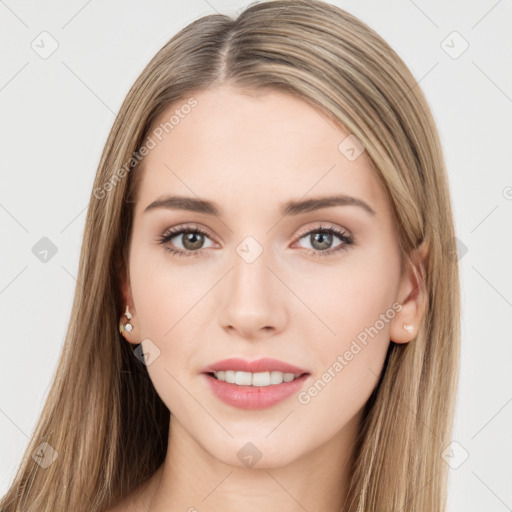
[254, 379]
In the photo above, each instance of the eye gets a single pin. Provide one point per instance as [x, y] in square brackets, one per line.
[190, 238]
[321, 240]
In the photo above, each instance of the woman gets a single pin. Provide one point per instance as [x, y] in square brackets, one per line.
[269, 313]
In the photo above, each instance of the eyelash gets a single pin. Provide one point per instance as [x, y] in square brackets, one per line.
[346, 239]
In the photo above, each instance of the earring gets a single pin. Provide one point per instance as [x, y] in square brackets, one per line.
[128, 326]
[409, 328]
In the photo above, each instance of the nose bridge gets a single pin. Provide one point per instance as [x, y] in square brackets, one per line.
[252, 301]
[250, 276]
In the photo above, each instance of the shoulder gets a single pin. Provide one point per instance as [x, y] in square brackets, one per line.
[139, 498]
[130, 503]
[126, 505]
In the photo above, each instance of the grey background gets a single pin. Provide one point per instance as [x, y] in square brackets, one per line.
[56, 115]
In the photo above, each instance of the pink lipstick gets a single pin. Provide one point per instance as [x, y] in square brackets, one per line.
[254, 384]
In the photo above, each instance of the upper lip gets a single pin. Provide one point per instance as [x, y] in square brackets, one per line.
[265, 364]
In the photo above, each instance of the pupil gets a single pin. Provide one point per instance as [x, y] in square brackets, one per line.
[321, 237]
[318, 240]
[193, 240]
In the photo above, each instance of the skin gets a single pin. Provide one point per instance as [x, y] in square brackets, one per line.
[251, 152]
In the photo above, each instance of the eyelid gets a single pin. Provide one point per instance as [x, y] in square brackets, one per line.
[186, 227]
[323, 226]
[304, 231]
[342, 233]
[174, 231]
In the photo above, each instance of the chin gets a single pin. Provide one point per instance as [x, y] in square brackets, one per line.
[255, 452]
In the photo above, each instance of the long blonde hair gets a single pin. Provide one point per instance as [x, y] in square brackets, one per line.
[103, 417]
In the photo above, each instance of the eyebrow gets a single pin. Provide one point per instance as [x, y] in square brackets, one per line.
[294, 207]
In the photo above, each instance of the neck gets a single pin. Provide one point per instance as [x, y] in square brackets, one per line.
[193, 480]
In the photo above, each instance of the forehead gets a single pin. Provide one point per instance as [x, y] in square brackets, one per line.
[257, 145]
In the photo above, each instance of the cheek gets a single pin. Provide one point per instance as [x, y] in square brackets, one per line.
[346, 337]
[169, 300]
[355, 302]
[164, 303]
[349, 362]
[353, 296]
[163, 291]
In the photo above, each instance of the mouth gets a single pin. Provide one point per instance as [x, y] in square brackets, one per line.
[254, 391]
[254, 384]
[261, 366]
[258, 379]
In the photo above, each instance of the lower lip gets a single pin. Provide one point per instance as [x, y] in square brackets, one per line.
[254, 397]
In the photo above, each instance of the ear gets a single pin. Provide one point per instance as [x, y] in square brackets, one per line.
[412, 297]
[132, 336]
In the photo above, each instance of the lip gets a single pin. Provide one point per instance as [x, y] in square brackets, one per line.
[254, 397]
[265, 364]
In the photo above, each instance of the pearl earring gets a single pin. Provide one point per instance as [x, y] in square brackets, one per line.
[128, 326]
[408, 328]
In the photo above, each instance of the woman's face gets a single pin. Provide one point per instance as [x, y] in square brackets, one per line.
[261, 279]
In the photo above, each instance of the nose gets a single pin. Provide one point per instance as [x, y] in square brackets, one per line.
[253, 299]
